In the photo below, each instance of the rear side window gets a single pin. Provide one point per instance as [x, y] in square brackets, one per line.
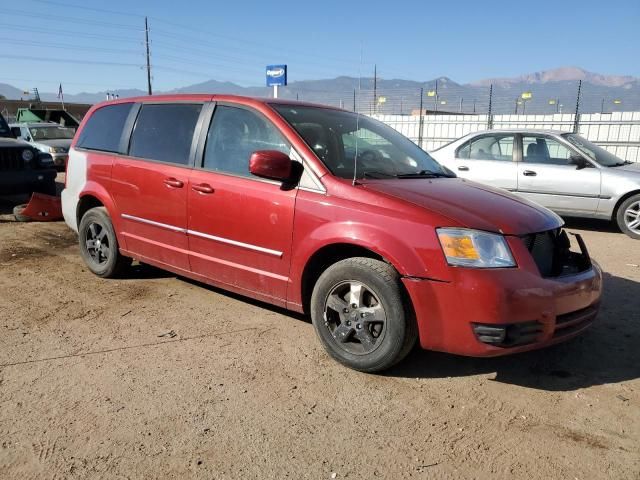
[165, 132]
[103, 129]
[490, 147]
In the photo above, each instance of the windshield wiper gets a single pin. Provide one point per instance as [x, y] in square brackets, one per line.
[620, 164]
[425, 174]
[376, 174]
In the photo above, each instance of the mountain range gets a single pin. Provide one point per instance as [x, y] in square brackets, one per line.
[551, 90]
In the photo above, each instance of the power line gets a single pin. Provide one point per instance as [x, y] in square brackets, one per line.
[68, 60]
[8, 26]
[66, 19]
[66, 46]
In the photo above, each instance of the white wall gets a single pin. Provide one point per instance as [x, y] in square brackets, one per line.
[618, 132]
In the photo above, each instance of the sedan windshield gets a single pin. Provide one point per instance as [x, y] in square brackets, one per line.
[52, 132]
[594, 152]
[345, 140]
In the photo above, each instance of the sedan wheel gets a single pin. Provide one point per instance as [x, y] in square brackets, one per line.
[628, 216]
[632, 217]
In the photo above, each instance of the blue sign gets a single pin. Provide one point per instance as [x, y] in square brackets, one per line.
[276, 75]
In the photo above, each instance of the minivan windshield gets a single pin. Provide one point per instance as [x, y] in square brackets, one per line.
[51, 132]
[594, 152]
[345, 140]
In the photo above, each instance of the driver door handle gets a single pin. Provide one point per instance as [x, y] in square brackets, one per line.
[202, 188]
[463, 168]
[529, 173]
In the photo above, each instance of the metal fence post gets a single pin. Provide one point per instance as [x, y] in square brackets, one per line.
[490, 116]
[576, 119]
[421, 120]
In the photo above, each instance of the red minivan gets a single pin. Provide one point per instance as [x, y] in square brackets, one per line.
[330, 213]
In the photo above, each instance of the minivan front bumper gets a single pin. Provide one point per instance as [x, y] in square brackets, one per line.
[484, 312]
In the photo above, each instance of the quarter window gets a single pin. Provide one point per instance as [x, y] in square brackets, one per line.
[234, 134]
[164, 132]
[103, 130]
[544, 150]
[490, 147]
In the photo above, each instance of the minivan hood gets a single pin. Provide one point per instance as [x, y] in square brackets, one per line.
[471, 204]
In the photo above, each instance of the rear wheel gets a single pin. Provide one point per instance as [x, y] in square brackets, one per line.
[359, 312]
[628, 216]
[99, 245]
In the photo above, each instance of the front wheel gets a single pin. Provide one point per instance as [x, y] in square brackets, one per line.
[360, 314]
[99, 245]
[628, 216]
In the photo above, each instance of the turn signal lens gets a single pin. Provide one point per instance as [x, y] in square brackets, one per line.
[474, 248]
[459, 247]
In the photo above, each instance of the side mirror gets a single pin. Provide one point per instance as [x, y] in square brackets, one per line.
[579, 161]
[271, 164]
[15, 131]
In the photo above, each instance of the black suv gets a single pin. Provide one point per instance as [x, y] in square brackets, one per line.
[23, 168]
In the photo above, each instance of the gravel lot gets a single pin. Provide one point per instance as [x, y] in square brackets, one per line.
[155, 376]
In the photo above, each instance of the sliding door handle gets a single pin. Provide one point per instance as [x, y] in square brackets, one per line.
[463, 168]
[529, 173]
[173, 182]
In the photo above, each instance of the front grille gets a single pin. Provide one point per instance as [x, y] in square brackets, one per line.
[11, 159]
[551, 251]
[569, 323]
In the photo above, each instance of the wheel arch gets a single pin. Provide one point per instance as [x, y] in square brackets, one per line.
[86, 203]
[326, 256]
[620, 201]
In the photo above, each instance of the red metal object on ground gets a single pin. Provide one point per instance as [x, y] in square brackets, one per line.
[43, 208]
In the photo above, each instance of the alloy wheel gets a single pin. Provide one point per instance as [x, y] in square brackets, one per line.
[355, 317]
[632, 217]
[97, 243]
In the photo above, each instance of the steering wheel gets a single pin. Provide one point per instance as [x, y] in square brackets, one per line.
[370, 158]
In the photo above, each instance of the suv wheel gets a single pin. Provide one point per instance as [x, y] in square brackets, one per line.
[359, 312]
[628, 216]
[99, 245]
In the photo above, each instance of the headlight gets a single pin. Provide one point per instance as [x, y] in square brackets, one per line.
[27, 155]
[57, 150]
[474, 248]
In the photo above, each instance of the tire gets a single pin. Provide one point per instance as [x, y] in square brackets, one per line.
[356, 337]
[99, 245]
[17, 212]
[628, 216]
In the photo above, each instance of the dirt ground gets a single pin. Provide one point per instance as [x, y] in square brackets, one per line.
[155, 376]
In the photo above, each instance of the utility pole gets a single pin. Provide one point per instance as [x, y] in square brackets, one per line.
[146, 36]
[354, 99]
[602, 106]
[375, 87]
[460, 107]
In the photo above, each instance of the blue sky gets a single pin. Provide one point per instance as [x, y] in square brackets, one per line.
[193, 41]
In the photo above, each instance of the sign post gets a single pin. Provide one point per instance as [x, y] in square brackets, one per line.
[276, 76]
